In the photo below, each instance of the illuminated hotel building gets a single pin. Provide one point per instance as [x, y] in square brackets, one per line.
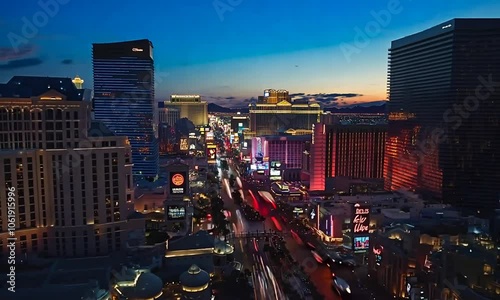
[400, 167]
[124, 98]
[286, 150]
[189, 106]
[444, 78]
[167, 117]
[269, 117]
[348, 148]
[72, 176]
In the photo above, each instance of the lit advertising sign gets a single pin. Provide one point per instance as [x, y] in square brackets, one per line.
[176, 212]
[209, 136]
[178, 183]
[361, 243]
[184, 146]
[211, 153]
[361, 219]
[275, 170]
[325, 223]
[263, 166]
[377, 252]
[259, 148]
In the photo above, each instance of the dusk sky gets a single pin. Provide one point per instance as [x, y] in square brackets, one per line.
[232, 55]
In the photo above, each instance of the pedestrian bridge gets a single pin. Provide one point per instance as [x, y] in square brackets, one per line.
[257, 234]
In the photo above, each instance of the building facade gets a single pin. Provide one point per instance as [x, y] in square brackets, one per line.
[189, 106]
[167, 118]
[281, 154]
[124, 98]
[347, 149]
[445, 80]
[72, 177]
[269, 117]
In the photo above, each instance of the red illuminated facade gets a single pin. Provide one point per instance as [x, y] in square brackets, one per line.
[403, 166]
[317, 158]
[347, 150]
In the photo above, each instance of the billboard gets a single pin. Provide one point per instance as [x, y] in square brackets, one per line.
[184, 146]
[275, 170]
[378, 252]
[178, 183]
[361, 243]
[360, 219]
[176, 212]
[211, 153]
[209, 136]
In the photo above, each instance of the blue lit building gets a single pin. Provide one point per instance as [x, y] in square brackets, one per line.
[124, 98]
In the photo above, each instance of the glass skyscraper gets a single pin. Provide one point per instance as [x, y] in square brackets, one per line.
[124, 98]
[444, 113]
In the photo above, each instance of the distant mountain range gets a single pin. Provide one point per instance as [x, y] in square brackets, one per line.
[369, 107]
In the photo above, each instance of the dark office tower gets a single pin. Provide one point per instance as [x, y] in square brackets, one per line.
[444, 109]
[124, 98]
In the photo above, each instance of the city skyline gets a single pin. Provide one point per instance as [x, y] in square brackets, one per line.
[218, 51]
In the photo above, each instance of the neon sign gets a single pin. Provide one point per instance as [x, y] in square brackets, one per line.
[378, 250]
[361, 220]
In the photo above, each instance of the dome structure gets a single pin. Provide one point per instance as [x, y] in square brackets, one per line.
[148, 286]
[194, 279]
[222, 248]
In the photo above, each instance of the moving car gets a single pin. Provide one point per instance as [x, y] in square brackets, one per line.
[342, 288]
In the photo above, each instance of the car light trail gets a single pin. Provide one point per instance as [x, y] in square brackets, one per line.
[276, 223]
[268, 197]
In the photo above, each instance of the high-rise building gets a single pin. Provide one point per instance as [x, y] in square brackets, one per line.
[284, 150]
[353, 146]
[167, 117]
[70, 176]
[270, 117]
[124, 98]
[189, 106]
[444, 105]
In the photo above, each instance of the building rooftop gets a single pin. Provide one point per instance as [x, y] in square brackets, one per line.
[446, 27]
[304, 137]
[34, 86]
[430, 227]
[200, 240]
[70, 292]
[99, 129]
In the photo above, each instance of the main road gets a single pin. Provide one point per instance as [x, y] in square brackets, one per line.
[250, 251]
[319, 274]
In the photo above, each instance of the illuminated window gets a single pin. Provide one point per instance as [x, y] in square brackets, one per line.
[487, 269]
